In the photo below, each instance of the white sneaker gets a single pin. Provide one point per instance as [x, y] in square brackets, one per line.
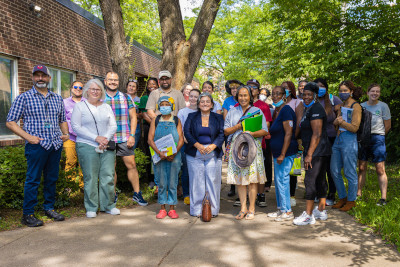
[292, 201]
[304, 219]
[329, 202]
[113, 211]
[285, 216]
[322, 215]
[91, 214]
[274, 214]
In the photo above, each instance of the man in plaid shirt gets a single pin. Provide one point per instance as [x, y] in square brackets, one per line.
[45, 129]
[125, 116]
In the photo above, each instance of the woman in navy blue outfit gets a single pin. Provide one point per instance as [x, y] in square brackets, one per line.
[204, 132]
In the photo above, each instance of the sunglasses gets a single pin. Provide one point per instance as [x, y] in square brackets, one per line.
[78, 87]
[252, 86]
[132, 80]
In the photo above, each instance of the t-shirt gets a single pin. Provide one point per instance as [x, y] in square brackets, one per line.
[330, 128]
[217, 106]
[143, 103]
[229, 103]
[278, 132]
[184, 113]
[315, 112]
[380, 112]
[179, 100]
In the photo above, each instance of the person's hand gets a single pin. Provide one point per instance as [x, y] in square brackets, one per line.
[280, 159]
[200, 148]
[210, 148]
[102, 141]
[171, 158]
[131, 142]
[338, 121]
[239, 126]
[307, 162]
[163, 155]
[64, 137]
[34, 140]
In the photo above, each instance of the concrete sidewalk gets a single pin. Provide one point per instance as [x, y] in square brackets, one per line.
[137, 238]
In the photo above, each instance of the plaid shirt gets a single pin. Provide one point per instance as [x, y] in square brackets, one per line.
[41, 116]
[120, 105]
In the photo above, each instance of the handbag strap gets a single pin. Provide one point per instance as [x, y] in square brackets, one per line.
[95, 122]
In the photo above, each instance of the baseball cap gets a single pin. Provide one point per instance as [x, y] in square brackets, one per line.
[164, 73]
[253, 81]
[41, 68]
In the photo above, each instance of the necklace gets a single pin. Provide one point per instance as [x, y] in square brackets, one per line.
[206, 115]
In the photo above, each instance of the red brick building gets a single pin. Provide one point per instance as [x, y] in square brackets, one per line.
[66, 38]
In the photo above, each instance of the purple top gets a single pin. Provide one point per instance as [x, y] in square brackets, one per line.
[69, 107]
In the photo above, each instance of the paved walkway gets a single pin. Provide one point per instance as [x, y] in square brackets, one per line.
[137, 238]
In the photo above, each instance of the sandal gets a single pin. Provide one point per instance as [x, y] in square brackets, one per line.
[249, 216]
[241, 215]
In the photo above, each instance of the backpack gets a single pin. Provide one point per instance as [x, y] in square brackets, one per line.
[159, 117]
[364, 131]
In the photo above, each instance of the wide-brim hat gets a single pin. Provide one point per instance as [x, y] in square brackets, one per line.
[244, 150]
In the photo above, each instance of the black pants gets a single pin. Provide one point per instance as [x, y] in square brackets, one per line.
[293, 185]
[332, 186]
[315, 178]
[268, 162]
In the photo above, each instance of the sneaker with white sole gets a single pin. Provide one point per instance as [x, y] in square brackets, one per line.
[91, 214]
[293, 201]
[322, 215]
[274, 214]
[329, 202]
[138, 198]
[284, 216]
[304, 219]
[113, 211]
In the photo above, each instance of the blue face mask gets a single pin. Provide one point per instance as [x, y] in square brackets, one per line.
[287, 93]
[309, 105]
[277, 105]
[321, 92]
[165, 110]
[344, 96]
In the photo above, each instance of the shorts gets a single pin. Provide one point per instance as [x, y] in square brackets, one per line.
[123, 150]
[375, 150]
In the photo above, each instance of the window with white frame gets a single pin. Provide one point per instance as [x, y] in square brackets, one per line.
[61, 81]
[8, 90]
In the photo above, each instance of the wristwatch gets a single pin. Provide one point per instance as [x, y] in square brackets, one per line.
[132, 135]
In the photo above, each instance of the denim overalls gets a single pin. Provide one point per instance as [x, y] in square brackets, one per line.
[166, 172]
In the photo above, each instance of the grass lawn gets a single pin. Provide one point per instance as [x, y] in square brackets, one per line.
[385, 220]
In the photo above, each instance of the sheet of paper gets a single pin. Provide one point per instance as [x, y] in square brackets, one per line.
[165, 143]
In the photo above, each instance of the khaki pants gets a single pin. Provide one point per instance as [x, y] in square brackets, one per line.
[72, 160]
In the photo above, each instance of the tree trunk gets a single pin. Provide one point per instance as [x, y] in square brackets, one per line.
[116, 40]
[181, 56]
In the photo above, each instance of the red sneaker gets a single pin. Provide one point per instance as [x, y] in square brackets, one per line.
[161, 214]
[172, 214]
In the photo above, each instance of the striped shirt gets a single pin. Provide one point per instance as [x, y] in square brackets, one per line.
[120, 105]
[41, 115]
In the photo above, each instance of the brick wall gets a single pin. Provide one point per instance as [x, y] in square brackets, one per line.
[63, 39]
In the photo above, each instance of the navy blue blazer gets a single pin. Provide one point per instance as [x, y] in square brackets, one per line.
[192, 129]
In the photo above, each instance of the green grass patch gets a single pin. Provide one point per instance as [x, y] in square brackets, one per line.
[385, 220]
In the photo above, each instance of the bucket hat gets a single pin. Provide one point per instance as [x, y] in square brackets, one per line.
[244, 150]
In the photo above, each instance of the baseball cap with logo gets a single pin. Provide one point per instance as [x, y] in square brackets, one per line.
[41, 68]
[253, 81]
[164, 73]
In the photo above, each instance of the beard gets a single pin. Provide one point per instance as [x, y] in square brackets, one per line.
[113, 90]
[165, 86]
[41, 85]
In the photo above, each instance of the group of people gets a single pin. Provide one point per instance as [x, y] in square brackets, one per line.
[99, 122]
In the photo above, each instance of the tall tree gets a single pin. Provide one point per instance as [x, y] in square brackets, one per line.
[180, 55]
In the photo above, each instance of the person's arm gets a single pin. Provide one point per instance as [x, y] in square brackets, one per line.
[355, 120]
[15, 128]
[388, 125]
[224, 112]
[132, 116]
[151, 106]
[151, 142]
[146, 117]
[286, 141]
[180, 142]
[151, 114]
[299, 115]
[316, 126]
[65, 131]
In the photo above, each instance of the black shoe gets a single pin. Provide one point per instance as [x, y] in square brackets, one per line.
[52, 214]
[237, 202]
[261, 201]
[381, 202]
[31, 221]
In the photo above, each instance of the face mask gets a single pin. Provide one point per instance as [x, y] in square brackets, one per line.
[309, 105]
[277, 105]
[263, 97]
[344, 96]
[165, 110]
[321, 92]
[287, 92]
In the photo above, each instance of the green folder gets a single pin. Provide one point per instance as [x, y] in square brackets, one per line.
[252, 124]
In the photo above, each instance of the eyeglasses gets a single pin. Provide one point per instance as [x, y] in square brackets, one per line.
[95, 90]
[78, 87]
[132, 80]
[113, 80]
[276, 94]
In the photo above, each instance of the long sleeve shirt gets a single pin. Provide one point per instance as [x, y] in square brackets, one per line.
[84, 124]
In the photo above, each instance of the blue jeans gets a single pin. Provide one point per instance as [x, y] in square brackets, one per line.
[344, 155]
[185, 173]
[167, 178]
[40, 161]
[282, 183]
[205, 175]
